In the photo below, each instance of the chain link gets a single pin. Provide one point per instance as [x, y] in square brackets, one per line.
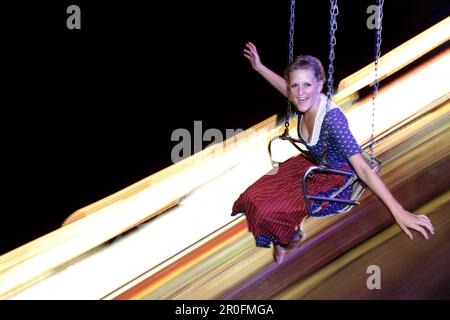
[290, 55]
[334, 11]
[376, 81]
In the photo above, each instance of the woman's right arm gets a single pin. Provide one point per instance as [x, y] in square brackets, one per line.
[278, 82]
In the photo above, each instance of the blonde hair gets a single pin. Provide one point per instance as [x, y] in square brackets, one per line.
[306, 62]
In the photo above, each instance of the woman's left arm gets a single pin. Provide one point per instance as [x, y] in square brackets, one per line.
[405, 219]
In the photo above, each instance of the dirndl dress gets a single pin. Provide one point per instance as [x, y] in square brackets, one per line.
[274, 205]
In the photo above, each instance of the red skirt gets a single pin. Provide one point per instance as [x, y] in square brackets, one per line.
[275, 206]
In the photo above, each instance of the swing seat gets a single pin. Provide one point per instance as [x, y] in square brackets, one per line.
[358, 186]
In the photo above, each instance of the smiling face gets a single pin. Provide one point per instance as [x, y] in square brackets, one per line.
[304, 89]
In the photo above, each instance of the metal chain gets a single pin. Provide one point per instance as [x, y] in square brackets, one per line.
[290, 56]
[334, 11]
[376, 82]
[291, 31]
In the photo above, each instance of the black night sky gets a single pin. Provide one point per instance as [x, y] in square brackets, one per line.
[88, 112]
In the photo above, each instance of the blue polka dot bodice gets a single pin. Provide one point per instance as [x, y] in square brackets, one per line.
[341, 143]
[341, 146]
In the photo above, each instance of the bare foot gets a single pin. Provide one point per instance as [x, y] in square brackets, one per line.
[280, 254]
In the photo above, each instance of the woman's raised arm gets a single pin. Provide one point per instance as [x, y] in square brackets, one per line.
[278, 82]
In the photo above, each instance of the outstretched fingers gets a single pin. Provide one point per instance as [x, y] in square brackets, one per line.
[427, 225]
[420, 223]
[248, 53]
[425, 218]
[250, 49]
[251, 46]
[406, 230]
[421, 230]
[423, 226]
[251, 53]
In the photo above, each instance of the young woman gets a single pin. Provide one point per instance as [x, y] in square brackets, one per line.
[274, 205]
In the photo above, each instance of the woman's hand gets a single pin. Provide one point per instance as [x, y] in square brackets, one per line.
[407, 220]
[278, 82]
[251, 53]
